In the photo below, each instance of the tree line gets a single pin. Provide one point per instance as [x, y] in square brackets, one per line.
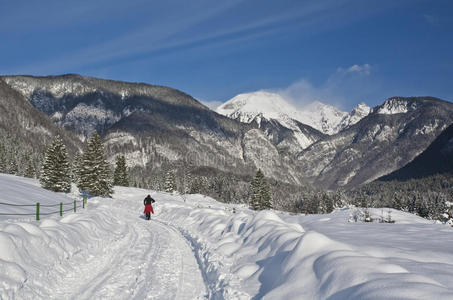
[90, 170]
[430, 197]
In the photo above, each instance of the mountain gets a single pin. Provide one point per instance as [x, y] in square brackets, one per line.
[357, 113]
[156, 127]
[247, 107]
[436, 159]
[257, 105]
[159, 128]
[323, 117]
[25, 133]
[276, 117]
[389, 137]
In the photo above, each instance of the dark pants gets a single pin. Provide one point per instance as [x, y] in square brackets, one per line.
[148, 216]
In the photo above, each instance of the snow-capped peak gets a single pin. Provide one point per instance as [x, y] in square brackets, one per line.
[395, 105]
[246, 107]
[261, 104]
[357, 113]
[321, 116]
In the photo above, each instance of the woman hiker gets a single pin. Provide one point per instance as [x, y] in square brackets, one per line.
[148, 207]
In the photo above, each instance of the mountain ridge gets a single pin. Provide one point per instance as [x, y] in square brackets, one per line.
[159, 128]
[436, 159]
[248, 106]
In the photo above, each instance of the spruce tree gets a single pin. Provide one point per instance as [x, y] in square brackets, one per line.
[30, 170]
[170, 182]
[94, 173]
[3, 159]
[120, 176]
[255, 189]
[12, 166]
[197, 185]
[55, 174]
[266, 197]
[77, 167]
[260, 195]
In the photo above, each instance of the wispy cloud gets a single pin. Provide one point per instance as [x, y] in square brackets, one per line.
[154, 36]
[359, 69]
[175, 33]
[211, 104]
[343, 89]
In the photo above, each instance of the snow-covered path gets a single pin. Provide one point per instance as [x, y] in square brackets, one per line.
[107, 251]
[146, 260]
[197, 248]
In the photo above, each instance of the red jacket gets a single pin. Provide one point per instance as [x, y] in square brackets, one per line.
[148, 208]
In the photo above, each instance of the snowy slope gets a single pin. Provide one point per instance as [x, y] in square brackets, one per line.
[105, 251]
[357, 113]
[257, 105]
[264, 108]
[246, 107]
[196, 248]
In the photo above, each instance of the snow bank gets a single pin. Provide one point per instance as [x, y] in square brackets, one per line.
[269, 255]
[242, 254]
[32, 252]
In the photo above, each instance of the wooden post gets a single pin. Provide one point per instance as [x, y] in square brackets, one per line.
[83, 201]
[75, 205]
[61, 209]
[37, 211]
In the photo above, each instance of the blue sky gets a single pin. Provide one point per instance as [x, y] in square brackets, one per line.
[340, 52]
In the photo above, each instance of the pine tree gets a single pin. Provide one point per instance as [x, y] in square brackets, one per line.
[260, 195]
[188, 183]
[170, 182]
[196, 185]
[266, 197]
[255, 188]
[94, 172]
[55, 171]
[30, 170]
[77, 167]
[3, 159]
[12, 165]
[120, 176]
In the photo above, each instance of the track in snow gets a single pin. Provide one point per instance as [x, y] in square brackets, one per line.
[147, 260]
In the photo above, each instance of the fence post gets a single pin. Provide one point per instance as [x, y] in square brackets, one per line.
[83, 202]
[37, 211]
[75, 205]
[61, 209]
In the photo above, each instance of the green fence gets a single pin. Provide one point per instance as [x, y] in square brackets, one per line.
[63, 207]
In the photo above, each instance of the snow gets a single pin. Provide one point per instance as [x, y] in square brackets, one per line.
[323, 117]
[88, 112]
[395, 106]
[261, 104]
[246, 107]
[358, 113]
[197, 248]
[120, 138]
[428, 128]
[27, 86]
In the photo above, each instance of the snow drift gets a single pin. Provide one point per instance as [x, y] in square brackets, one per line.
[197, 248]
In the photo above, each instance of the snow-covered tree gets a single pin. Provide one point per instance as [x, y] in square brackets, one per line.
[94, 172]
[55, 174]
[255, 190]
[77, 167]
[120, 176]
[170, 182]
[260, 195]
[13, 168]
[30, 170]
